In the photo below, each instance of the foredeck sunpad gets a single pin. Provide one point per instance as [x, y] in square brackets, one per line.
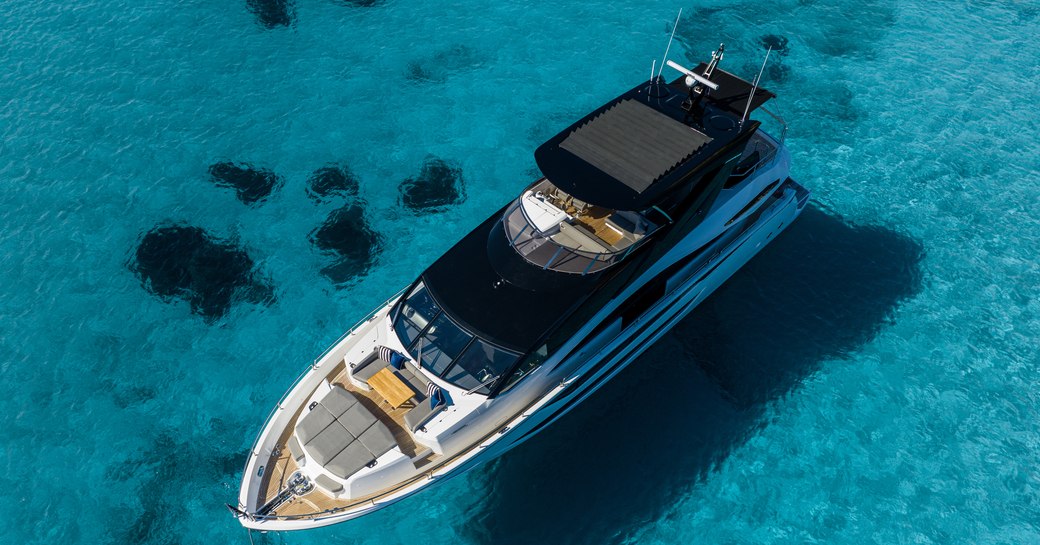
[377, 439]
[350, 460]
[357, 419]
[338, 401]
[329, 443]
[343, 444]
[313, 423]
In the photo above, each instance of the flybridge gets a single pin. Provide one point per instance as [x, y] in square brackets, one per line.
[628, 153]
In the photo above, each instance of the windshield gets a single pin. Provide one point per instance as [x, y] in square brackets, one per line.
[445, 349]
[480, 363]
[417, 312]
[441, 343]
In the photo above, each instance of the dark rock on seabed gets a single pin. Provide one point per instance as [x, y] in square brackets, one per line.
[438, 66]
[252, 185]
[438, 185]
[186, 262]
[777, 42]
[272, 14]
[330, 181]
[347, 235]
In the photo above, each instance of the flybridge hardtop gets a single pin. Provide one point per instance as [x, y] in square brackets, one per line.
[489, 289]
[646, 206]
[629, 152]
[625, 156]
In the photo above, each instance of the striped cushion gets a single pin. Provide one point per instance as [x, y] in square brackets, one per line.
[391, 356]
[436, 395]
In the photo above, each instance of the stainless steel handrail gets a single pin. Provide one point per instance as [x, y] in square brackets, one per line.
[769, 156]
[309, 368]
[783, 124]
[766, 159]
[603, 259]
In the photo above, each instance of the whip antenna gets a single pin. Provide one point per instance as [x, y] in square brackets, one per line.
[754, 87]
[670, 38]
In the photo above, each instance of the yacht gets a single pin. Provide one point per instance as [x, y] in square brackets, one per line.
[644, 207]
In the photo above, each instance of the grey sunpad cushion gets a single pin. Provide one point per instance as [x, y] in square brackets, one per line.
[357, 419]
[422, 382]
[329, 443]
[350, 460]
[328, 484]
[313, 422]
[369, 369]
[421, 414]
[414, 380]
[338, 401]
[377, 439]
[295, 449]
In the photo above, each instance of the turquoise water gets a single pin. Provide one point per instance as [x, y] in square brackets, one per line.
[869, 378]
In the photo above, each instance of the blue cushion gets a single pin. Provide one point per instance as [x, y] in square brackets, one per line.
[437, 397]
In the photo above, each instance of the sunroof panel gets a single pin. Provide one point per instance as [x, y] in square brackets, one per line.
[634, 143]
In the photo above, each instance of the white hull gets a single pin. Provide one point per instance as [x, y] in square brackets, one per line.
[543, 398]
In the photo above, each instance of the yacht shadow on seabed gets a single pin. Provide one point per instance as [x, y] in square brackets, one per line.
[821, 290]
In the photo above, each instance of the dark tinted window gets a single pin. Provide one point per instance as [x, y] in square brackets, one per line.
[533, 361]
[440, 344]
[417, 311]
[478, 364]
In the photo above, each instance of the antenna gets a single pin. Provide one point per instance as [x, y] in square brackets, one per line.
[654, 89]
[754, 87]
[693, 78]
[670, 38]
[716, 56]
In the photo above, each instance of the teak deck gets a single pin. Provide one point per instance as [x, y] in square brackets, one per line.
[592, 217]
[595, 219]
[282, 465]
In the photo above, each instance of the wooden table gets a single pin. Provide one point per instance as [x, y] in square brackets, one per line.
[393, 389]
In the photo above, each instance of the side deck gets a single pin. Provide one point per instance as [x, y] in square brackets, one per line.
[281, 464]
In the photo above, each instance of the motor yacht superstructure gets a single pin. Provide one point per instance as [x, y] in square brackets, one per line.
[645, 206]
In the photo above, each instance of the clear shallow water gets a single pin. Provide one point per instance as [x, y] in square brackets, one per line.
[868, 378]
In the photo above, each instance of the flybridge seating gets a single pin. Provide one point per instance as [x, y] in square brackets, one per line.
[556, 231]
[613, 172]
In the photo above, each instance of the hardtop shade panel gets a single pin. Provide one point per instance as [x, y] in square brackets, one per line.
[634, 143]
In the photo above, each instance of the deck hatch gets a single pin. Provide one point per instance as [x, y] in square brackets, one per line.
[634, 143]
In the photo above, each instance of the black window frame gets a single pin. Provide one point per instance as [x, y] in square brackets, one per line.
[473, 337]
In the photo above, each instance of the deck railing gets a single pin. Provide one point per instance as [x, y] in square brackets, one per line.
[780, 120]
[279, 406]
[767, 146]
[520, 230]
